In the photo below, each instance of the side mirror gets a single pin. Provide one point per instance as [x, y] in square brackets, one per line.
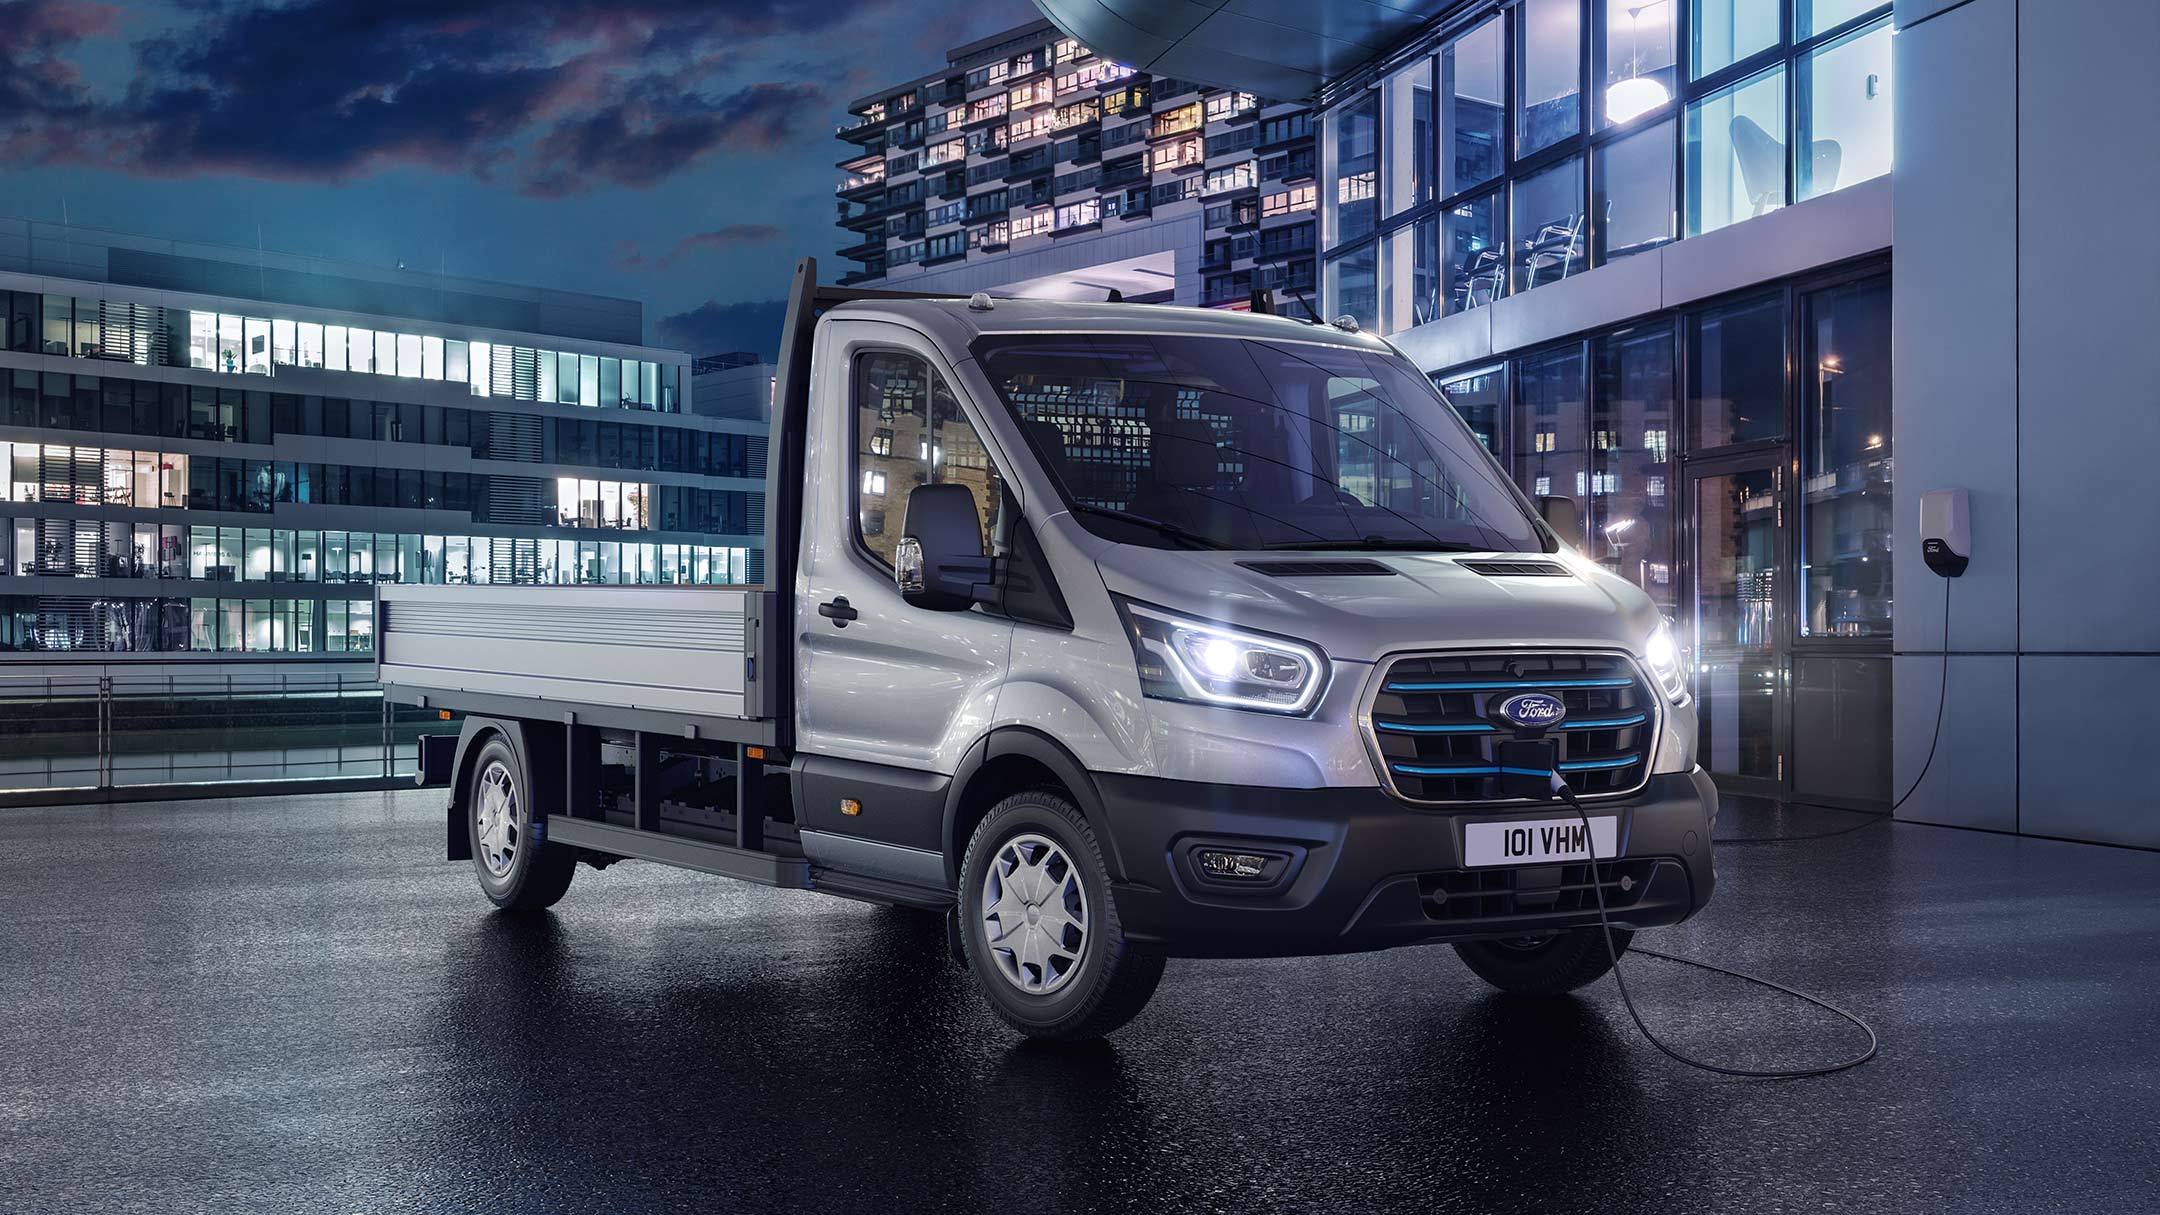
[1561, 515]
[940, 563]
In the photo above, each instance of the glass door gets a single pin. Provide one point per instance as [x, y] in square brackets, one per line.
[1737, 511]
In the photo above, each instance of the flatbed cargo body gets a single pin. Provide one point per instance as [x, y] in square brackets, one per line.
[676, 659]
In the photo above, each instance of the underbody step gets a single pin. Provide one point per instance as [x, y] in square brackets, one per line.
[880, 890]
[761, 867]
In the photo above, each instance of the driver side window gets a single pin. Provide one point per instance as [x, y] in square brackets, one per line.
[909, 431]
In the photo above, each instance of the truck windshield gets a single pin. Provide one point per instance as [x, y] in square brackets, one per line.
[1216, 442]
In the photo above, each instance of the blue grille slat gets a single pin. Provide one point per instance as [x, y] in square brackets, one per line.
[1518, 683]
[1597, 765]
[1406, 727]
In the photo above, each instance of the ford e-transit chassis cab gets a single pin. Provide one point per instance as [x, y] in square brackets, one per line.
[1119, 632]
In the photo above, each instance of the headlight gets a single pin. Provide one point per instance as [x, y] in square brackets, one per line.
[1662, 655]
[1181, 658]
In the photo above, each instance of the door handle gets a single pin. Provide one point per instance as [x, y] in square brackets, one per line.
[838, 612]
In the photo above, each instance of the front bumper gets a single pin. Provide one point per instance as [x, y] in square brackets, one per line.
[1360, 870]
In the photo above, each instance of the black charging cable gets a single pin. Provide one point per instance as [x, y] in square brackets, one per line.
[1605, 927]
[1942, 700]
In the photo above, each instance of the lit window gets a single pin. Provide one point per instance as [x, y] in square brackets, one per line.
[1233, 177]
[1080, 214]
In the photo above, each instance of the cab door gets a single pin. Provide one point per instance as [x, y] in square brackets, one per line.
[878, 680]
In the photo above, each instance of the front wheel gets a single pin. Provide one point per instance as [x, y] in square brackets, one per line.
[1038, 926]
[517, 871]
[1547, 965]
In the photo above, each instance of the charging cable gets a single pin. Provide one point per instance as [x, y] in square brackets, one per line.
[1942, 700]
[1605, 927]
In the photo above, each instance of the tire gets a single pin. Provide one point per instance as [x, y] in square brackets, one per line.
[1547, 966]
[515, 873]
[1062, 970]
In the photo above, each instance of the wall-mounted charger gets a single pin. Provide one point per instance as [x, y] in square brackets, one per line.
[1946, 531]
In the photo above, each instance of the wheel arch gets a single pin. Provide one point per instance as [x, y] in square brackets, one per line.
[531, 743]
[1008, 760]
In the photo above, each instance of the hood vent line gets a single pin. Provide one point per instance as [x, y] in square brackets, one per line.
[1317, 569]
[1517, 569]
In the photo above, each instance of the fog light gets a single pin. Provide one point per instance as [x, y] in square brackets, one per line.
[1235, 866]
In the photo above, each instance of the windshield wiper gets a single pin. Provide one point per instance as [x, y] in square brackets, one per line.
[1161, 527]
[1403, 544]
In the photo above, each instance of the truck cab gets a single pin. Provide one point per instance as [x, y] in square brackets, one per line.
[1127, 632]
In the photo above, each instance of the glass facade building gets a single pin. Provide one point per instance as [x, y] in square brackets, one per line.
[1528, 143]
[1006, 166]
[206, 484]
[1512, 196]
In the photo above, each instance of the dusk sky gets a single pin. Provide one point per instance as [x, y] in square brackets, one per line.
[678, 152]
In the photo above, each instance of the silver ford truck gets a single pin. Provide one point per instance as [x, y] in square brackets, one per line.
[1114, 633]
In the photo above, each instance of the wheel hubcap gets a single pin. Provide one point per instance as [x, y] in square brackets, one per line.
[1034, 914]
[497, 816]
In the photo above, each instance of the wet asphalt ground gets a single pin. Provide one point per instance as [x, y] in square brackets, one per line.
[289, 1005]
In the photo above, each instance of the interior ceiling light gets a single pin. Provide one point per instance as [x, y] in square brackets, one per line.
[1632, 98]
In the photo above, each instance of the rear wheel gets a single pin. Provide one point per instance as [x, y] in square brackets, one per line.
[1038, 926]
[1546, 965]
[517, 871]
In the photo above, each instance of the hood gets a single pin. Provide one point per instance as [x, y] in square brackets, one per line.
[1421, 601]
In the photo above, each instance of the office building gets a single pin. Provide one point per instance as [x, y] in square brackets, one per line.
[1646, 246]
[737, 385]
[1030, 165]
[208, 456]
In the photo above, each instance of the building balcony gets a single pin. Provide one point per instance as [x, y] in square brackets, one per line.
[863, 250]
[865, 221]
[862, 130]
[1304, 140]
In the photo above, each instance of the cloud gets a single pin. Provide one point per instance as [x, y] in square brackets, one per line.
[642, 138]
[38, 84]
[716, 328]
[554, 96]
[629, 257]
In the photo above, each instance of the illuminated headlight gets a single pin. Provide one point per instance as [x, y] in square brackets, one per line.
[1181, 658]
[1662, 655]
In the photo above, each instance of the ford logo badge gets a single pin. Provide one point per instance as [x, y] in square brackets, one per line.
[1532, 710]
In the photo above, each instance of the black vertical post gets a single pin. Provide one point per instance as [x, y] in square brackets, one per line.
[581, 755]
[749, 812]
[647, 795]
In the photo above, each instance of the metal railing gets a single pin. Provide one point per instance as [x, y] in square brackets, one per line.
[63, 732]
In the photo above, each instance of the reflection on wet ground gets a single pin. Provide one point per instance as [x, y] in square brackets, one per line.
[283, 1005]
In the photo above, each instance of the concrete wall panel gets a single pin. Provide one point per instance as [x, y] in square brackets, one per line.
[2083, 771]
[2088, 156]
[1973, 781]
[1954, 320]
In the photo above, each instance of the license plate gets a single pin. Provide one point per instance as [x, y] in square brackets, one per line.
[1537, 841]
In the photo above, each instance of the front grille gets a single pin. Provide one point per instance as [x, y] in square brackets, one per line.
[1431, 721]
[1480, 894]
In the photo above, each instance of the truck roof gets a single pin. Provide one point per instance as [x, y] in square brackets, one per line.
[954, 322]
